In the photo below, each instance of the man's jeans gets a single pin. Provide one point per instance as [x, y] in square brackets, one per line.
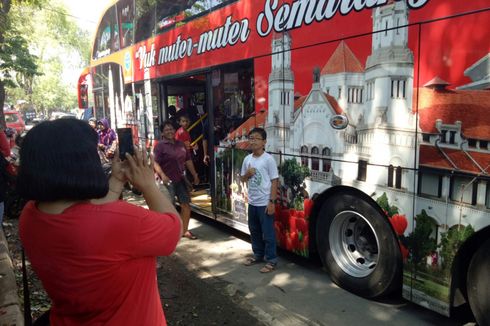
[261, 226]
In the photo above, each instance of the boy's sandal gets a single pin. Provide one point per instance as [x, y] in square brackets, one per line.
[189, 235]
[252, 261]
[269, 267]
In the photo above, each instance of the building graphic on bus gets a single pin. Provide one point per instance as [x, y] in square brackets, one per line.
[375, 111]
[377, 100]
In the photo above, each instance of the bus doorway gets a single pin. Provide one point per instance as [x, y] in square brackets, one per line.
[185, 98]
[221, 111]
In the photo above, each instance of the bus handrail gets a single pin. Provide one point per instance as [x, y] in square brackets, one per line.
[197, 122]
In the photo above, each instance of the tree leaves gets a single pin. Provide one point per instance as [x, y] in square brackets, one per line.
[52, 43]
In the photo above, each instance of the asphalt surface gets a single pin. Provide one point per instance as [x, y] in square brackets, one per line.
[298, 293]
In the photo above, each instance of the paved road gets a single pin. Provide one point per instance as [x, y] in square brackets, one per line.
[298, 292]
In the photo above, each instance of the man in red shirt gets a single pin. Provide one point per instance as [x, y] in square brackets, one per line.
[5, 152]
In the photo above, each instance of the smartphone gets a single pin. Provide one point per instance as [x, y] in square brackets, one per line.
[125, 137]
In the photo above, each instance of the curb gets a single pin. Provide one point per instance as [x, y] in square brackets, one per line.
[10, 310]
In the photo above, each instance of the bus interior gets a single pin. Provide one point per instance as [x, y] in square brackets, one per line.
[229, 90]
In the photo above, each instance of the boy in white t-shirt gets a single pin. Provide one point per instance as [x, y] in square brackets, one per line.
[259, 170]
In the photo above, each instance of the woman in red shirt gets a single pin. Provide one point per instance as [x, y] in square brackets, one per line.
[94, 254]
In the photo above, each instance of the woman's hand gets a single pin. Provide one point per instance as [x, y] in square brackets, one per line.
[118, 167]
[139, 172]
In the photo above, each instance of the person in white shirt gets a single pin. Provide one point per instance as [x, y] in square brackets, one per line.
[259, 171]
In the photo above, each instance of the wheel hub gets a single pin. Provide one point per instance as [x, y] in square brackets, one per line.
[354, 244]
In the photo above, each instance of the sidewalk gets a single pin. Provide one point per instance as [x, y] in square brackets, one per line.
[219, 255]
[295, 293]
[10, 312]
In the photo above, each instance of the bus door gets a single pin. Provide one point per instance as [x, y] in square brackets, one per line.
[185, 98]
[233, 117]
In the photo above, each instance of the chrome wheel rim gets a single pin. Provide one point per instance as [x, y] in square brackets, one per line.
[354, 244]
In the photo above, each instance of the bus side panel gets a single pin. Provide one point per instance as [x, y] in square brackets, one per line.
[451, 98]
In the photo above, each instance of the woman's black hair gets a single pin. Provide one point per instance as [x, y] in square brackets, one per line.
[167, 123]
[59, 161]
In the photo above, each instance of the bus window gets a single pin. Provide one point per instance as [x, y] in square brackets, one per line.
[145, 19]
[126, 16]
[168, 13]
[107, 37]
[171, 13]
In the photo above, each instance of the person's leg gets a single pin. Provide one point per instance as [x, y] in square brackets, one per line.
[269, 237]
[255, 229]
[171, 192]
[185, 209]
[185, 213]
[2, 209]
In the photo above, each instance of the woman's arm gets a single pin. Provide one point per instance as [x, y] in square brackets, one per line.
[4, 144]
[141, 175]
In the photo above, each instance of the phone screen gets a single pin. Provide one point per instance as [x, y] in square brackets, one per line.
[125, 142]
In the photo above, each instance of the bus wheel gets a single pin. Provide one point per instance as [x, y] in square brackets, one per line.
[358, 247]
[478, 284]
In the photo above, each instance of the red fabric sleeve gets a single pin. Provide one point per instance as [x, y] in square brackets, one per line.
[179, 135]
[4, 144]
[158, 234]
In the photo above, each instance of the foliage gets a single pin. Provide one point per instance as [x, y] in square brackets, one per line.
[60, 45]
[56, 46]
[16, 60]
[294, 176]
[450, 242]
[419, 241]
[385, 205]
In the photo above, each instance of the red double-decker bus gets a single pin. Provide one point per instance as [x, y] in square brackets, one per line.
[376, 113]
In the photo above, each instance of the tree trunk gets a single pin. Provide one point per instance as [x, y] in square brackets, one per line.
[3, 125]
[4, 10]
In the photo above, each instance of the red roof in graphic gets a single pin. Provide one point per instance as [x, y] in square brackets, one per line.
[471, 107]
[331, 100]
[431, 156]
[333, 103]
[299, 102]
[256, 120]
[342, 60]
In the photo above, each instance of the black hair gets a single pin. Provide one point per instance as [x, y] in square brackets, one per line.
[259, 131]
[172, 110]
[167, 123]
[59, 161]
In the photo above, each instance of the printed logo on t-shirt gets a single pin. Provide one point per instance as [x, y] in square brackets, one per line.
[256, 180]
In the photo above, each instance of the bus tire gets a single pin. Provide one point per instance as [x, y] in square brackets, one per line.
[478, 284]
[358, 247]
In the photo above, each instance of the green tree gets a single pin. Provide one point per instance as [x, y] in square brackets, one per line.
[16, 61]
[294, 176]
[451, 241]
[419, 241]
[60, 46]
